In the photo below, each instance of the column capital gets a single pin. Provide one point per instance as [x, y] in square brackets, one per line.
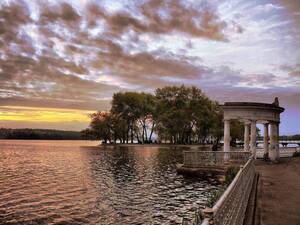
[274, 122]
[247, 122]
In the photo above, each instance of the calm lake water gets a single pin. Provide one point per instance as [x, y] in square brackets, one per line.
[76, 182]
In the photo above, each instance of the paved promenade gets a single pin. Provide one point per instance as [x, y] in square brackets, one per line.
[279, 198]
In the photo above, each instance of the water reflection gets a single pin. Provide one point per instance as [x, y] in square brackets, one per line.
[62, 183]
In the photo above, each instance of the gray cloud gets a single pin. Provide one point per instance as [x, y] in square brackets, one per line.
[203, 22]
[11, 18]
[61, 71]
[63, 12]
[134, 68]
[49, 74]
[293, 70]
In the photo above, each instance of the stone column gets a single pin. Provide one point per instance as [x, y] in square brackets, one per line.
[274, 144]
[266, 141]
[226, 135]
[253, 138]
[277, 142]
[246, 136]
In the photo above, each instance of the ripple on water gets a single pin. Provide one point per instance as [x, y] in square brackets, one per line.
[63, 183]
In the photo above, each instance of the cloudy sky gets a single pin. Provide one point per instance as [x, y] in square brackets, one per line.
[60, 60]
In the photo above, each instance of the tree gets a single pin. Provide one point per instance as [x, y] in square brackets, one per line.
[125, 105]
[147, 116]
[101, 125]
[181, 115]
[87, 134]
[236, 131]
[118, 128]
[217, 124]
[137, 110]
[185, 114]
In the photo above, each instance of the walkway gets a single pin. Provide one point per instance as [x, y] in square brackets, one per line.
[279, 198]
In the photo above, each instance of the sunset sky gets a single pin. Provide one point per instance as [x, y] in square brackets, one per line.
[61, 60]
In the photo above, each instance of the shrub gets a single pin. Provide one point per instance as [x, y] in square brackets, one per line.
[216, 194]
[230, 174]
[214, 197]
[296, 153]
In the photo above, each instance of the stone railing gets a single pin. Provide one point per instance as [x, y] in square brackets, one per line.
[283, 152]
[231, 207]
[194, 159]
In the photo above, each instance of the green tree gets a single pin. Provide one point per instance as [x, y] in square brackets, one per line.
[101, 125]
[236, 131]
[182, 115]
[87, 134]
[118, 128]
[126, 106]
[147, 115]
[185, 114]
[138, 110]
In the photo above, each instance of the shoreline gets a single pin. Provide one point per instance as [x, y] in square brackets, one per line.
[158, 145]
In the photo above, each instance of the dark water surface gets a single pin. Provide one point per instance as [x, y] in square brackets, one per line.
[59, 182]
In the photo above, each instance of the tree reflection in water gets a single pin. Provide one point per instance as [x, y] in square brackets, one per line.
[61, 182]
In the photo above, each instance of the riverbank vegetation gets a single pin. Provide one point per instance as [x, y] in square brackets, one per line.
[176, 115]
[216, 195]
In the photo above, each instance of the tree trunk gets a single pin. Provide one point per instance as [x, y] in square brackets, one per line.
[131, 133]
[138, 138]
[143, 135]
[151, 133]
[127, 135]
[146, 135]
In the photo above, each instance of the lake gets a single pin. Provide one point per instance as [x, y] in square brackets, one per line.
[77, 182]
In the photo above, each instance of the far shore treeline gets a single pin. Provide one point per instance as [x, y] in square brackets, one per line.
[176, 115]
[39, 134]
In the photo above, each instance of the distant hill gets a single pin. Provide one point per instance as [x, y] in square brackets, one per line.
[39, 134]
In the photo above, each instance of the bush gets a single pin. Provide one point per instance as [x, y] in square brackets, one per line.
[214, 197]
[296, 153]
[230, 174]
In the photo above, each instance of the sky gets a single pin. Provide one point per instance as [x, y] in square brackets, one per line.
[61, 60]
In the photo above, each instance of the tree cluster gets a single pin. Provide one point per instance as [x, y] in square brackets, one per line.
[177, 115]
